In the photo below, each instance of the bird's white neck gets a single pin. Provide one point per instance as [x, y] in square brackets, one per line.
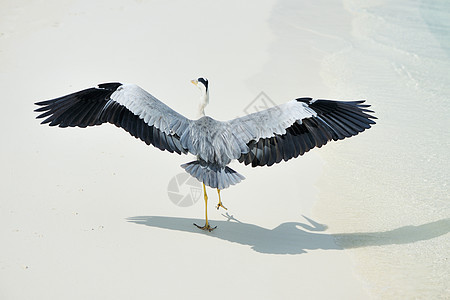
[204, 100]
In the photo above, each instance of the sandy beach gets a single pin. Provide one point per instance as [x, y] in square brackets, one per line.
[95, 214]
[86, 213]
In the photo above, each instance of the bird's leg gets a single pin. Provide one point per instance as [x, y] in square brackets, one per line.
[220, 202]
[206, 227]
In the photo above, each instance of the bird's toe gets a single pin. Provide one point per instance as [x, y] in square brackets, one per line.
[206, 227]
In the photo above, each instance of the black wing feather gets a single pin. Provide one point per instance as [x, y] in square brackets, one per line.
[335, 120]
[94, 106]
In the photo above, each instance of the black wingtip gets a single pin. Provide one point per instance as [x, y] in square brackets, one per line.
[46, 102]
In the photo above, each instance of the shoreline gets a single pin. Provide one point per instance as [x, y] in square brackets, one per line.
[391, 200]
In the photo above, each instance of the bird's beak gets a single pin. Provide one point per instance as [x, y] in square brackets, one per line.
[194, 81]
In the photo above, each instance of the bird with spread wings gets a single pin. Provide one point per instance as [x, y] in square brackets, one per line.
[262, 138]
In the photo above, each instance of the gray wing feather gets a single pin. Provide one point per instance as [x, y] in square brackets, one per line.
[289, 130]
[150, 109]
[267, 123]
[125, 105]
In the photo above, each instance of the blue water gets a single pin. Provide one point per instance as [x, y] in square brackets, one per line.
[397, 175]
[436, 15]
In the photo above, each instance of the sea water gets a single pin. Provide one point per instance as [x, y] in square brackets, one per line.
[385, 194]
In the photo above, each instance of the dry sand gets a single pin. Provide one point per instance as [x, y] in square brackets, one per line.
[85, 213]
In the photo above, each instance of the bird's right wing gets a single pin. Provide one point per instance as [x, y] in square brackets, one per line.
[291, 129]
[125, 105]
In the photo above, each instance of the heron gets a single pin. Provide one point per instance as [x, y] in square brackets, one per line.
[263, 138]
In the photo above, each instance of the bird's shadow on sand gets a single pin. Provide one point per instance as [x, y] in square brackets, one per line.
[297, 237]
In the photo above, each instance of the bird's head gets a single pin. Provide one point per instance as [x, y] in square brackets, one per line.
[202, 84]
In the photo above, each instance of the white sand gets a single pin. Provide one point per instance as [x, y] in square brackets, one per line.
[85, 214]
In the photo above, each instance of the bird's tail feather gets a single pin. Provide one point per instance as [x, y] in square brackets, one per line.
[213, 175]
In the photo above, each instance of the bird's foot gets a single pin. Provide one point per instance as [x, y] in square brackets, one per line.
[206, 227]
[219, 205]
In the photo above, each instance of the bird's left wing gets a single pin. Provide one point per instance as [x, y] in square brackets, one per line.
[291, 129]
[125, 105]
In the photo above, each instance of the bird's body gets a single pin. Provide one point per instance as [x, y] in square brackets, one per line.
[260, 139]
[212, 141]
